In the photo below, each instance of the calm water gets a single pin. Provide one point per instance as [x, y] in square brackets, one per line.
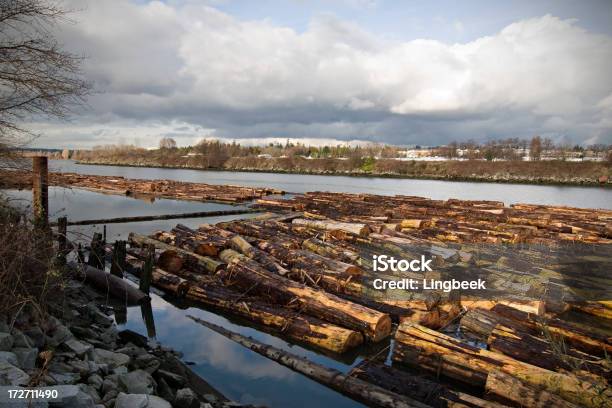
[588, 197]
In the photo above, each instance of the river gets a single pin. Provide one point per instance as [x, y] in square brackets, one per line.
[239, 373]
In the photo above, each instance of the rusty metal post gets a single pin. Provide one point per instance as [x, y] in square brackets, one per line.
[40, 191]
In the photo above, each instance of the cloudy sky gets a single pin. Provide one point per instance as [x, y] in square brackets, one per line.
[401, 72]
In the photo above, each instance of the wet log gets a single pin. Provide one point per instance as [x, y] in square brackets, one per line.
[331, 225]
[589, 342]
[508, 389]
[542, 353]
[108, 283]
[330, 251]
[296, 326]
[418, 387]
[432, 351]
[355, 388]
[191, 260]
[241, 245]
[599, 309]
[526, 305]
[480, 323]
[251, 276]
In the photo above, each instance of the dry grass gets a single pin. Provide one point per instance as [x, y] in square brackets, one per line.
[28, 275]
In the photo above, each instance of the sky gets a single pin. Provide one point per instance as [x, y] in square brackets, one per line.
[335, 71]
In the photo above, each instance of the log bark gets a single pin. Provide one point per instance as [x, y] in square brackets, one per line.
[302, 328]
[590, 343]
[355, 388]
[191, 260]
[111, 284]
[417, 387]
[510, 390]
[249, 275]
[353, 228]
[432, 351]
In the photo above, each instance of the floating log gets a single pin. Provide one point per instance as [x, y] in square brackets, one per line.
[424, 348]
[296, 326]
[141, 218]
[108, 283]
[417, 387]
[191, 260]
[355, 388]
[510, 390]
[588, 342]
[248, 274]
[353, 228]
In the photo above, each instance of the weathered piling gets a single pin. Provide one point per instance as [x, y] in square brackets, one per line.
[40, 191]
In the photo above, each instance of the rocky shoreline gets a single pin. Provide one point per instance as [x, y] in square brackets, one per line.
[79, 351]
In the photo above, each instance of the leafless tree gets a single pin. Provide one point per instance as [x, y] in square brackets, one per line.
[37, 76]
[535, 148]
[167, 143]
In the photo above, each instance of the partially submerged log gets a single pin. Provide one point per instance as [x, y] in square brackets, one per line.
[296, 326]
[111, 284]
[250, 276]
[427, 349]
[360, 390]
[416, 386]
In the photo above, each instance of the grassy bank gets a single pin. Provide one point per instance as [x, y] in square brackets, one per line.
[536, 172]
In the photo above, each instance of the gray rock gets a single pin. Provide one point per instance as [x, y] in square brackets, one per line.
[11, 375]
[26, 357]
[171, 378]
[73, 397]
[97, 368]
[8, 357]
[164, 390]
[81, 367]
[21, 340]
[77, 347]
[98, 317]
[120, 370]
[4, 327]
[60, 335]
[111, 395]
[109, 384]
[147, 362]
[89, 390]
[95, 381]
[65, 378]
[137, 382]
[186, 398]
[6, 342]
[140, 401]
[36, 336]
[113, 359]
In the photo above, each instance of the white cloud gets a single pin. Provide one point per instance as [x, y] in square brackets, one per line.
[157, 63]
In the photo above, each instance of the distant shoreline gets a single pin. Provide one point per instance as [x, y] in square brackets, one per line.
[581, 182]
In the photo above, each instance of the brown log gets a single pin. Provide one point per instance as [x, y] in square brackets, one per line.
[372, 395]
[588, 342]
[299, 327]
[329, 250]
[510, 390]
[480, 323]
[353, 228]
[111, 284]
[241, 245]
[417, 387]
[433, 351]
[249, 275]
[191, 260]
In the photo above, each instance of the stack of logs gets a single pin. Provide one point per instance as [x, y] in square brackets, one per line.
[456, 220]
[151, 188]
[308, 279]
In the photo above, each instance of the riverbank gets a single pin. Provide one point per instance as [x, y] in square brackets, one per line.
[595, 174]
[78, 350]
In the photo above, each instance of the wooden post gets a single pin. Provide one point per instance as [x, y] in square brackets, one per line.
[80, 256]
[147, 315]
[96, 254]
[62, 231]
[40, 191]
[104, 234]
[147, 270]
[118, 259]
